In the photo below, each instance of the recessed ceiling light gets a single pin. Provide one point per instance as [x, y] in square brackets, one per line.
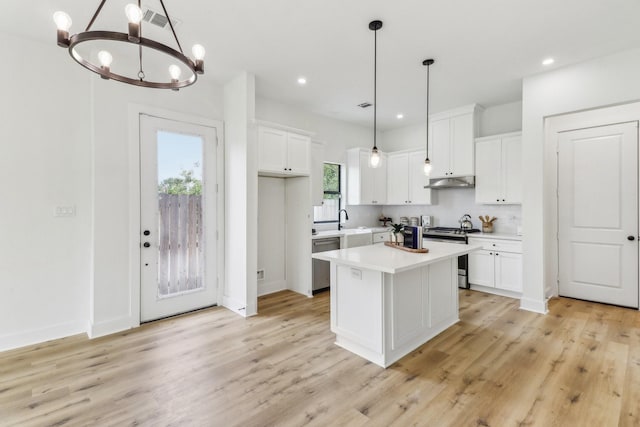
[399, 116]
[302, 81]
[548, 61]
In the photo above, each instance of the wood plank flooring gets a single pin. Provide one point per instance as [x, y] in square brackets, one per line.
[499, 366]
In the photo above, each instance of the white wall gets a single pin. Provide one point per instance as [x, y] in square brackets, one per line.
[337, 137]
[604, 81]
[450, 204]
[271, 234]
[65, 142]
[45, 160]
[113, 252]
[241, 204]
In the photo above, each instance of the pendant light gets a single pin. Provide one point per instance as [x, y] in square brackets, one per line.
[427, 163]
[374, 160]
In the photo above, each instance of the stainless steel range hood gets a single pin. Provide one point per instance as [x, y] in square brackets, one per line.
[457, 182]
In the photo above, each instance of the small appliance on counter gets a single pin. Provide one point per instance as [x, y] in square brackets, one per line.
[412, 237]
[426, 221]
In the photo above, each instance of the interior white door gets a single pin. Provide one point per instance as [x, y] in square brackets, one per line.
[598, 214]
[178, 203]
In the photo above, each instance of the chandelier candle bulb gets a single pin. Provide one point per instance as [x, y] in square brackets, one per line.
[134, 15]
[198, 53]
[63, 22]
[105, 59]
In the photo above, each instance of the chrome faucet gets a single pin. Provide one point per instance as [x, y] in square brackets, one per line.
[346, 217]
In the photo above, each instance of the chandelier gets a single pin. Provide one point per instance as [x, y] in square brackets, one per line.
[176, 77]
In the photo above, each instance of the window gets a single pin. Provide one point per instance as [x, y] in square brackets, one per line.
[332, 184]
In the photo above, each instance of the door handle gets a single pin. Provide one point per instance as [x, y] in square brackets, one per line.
[146, 244]
[631, 238]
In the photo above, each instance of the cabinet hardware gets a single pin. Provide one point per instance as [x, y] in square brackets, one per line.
[631, 238]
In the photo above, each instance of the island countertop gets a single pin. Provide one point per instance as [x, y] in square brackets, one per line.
[382, 258]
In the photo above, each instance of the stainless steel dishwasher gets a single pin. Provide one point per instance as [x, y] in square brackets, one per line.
[321, 272]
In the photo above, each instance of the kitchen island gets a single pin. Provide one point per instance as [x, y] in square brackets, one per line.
[386, 302]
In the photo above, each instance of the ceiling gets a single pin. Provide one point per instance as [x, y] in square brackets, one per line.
[482, 48]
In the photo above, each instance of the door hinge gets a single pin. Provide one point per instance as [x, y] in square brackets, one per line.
[216, 188]
[217, 235]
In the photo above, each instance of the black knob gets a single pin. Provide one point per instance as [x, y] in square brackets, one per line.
[497, 200]
[490, 253]
[146, 244]
[146, 232]
[497, 254]
[631, 238]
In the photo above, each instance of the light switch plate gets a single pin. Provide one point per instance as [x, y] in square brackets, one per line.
[64, 211]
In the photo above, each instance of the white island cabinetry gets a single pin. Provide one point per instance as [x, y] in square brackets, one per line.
[385, 302]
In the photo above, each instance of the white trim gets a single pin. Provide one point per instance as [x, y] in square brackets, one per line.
[278, 126]
[237, 306]
[271, 287]
[38, 336]
[496, 291]
[109, 327]
[553, 125]
[534, 305]
[471, 108]
[135, 110]
[501, 135]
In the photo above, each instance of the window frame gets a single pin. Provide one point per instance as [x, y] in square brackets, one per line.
[339, 192]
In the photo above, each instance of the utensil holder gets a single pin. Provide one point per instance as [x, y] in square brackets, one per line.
[487, 227]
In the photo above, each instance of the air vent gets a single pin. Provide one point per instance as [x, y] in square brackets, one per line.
[365, 105]
[158, 19]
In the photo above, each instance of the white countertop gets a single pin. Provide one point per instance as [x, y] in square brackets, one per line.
[348, 231]
[382, 258]
[501, 236]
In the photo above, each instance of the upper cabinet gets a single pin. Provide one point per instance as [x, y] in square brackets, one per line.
[451, 142]
[406, 179]
[365, 185]
[283, 153]
[499, 169]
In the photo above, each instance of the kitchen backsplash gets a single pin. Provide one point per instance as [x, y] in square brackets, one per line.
[451, 204]
[359, 216]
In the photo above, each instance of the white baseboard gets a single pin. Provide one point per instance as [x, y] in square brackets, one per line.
[237, 306]
[109, 327]
[37, 336]
[534, 305]
[266, 288]
[496, 291]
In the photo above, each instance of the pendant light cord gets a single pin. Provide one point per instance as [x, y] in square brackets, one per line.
[428, 67]
[375, 86]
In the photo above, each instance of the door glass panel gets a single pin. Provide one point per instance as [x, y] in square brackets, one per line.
[180, 214]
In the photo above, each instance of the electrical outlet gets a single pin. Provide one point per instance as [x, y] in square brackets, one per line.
[260, 274]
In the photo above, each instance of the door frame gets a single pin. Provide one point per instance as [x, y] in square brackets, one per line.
[134, 113]
[554, 125]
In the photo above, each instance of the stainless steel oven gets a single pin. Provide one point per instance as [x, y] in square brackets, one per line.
[453, 235]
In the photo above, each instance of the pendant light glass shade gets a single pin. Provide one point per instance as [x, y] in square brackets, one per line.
[374, 160]
[427, 163]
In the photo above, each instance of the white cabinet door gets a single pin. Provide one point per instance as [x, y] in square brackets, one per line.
[298, 154]
[481, 268]
[439, 148]
[462, 145]
[380, 181]
[272, 150]
[397, 179]
[488, 171]
[508, 268]
[366, 180]
[418, 195]
[512, 169]
[317, 174]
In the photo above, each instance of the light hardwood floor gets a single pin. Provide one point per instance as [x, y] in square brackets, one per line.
[499, 366]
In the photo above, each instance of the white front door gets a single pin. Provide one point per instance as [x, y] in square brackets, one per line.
[598, 214]
[178, 217]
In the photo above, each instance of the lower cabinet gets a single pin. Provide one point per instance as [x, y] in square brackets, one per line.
[498, 265]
